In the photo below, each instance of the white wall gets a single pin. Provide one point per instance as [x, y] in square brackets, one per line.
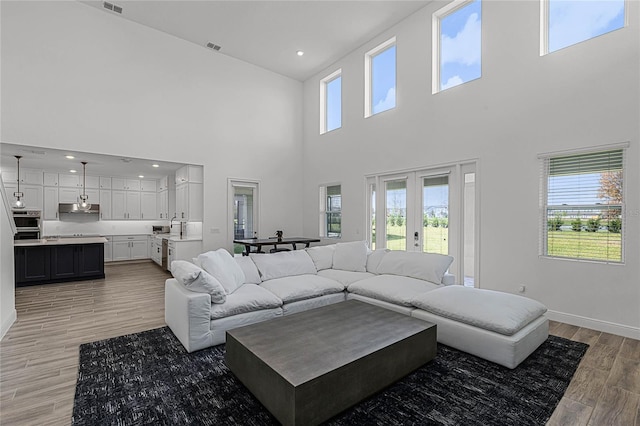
[78, 78]
[583, 96]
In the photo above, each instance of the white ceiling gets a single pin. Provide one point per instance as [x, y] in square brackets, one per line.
[269, 33]
[54, 161]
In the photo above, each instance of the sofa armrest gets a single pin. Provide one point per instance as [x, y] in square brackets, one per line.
[188, 314]
[448, 279]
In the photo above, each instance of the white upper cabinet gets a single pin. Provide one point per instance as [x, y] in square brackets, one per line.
[105, 204]
[92, 182]
[68, 195]
[50, 210]
[189, 174]
[51, 179]
[28, 176]
[148, 206]
[68, 181]
[148, 185]
[164, 183]
[105, 182]
[125, 184]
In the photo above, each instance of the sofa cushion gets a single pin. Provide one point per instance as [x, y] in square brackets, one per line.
[248, 298]
[503, 313]
[198, 280]
[300, 287]
[221, 265]
[322, 256]
[344, 277]
[423, 266]
[392, 288]
[374, 258]
[283, 264]
[251, 274]
[350, 256]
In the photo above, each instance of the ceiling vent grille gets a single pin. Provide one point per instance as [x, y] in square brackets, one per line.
[213, 46]
[112, 7]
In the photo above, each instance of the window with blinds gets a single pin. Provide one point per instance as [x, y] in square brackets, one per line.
[583, 205]
[331, 211]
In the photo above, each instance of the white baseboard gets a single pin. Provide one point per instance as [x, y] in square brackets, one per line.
[607, 327]
[7, 323]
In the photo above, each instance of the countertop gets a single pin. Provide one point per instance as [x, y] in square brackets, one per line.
[61, 241]
[173, 237]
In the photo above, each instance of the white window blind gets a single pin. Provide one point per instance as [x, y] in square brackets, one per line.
[583, 205]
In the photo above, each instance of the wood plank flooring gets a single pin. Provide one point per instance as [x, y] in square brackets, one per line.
[39, 354]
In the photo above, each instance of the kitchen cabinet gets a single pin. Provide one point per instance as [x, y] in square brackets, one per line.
[156, 250]
[32, 194]
[91, 181]
[69, 181]
[189, 202]
[50, 179]
[183, 250]
[108, 250]
[125, 205]
[27, 176]
[67, 262]
[148, 185]
[163, 205]
[68, 195]
[163, 184]
[50, 208]
[148, 206]
[189, 174]
[127, 247]
[125, 184]
[105, 182]
[105, 204]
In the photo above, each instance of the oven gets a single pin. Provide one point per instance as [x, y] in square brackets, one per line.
[27, 224]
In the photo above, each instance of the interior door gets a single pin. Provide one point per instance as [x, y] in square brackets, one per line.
[244, 209]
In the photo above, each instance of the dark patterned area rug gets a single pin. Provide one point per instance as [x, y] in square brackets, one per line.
[148, 378]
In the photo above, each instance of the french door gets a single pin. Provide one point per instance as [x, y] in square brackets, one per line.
[429, 210]
[243, 203]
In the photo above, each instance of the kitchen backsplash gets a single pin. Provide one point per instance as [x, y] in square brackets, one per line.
[113, 227]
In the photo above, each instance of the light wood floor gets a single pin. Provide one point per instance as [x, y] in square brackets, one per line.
[39, 354]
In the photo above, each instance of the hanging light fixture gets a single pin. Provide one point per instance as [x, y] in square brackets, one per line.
[84, 203]
[18, 203]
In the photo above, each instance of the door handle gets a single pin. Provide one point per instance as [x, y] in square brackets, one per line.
[416, 236]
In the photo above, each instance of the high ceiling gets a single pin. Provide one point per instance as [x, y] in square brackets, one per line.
[269, 33]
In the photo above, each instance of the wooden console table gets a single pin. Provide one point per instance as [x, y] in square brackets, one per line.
[275, 242]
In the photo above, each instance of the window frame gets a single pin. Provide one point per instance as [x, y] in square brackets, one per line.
[544, 206]
[368, 73]
[324, 211]
[324, 105]
[544, 27]
[232, 183]
[436, 39]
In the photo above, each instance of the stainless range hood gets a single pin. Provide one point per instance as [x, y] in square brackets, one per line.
[76, 209]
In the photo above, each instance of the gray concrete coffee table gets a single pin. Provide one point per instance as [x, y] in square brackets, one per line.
[307, 367]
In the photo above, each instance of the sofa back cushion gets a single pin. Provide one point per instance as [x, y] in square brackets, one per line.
[283, 264]
[350, 256]
[374, 258]
[221, 265]
[198, 280]
[423, 266]
[322, 256]
[251, 274]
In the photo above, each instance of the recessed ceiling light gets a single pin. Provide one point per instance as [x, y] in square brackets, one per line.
[69, 157]
[73, 171]
[299, 53]
[140, 176]
[155, 165]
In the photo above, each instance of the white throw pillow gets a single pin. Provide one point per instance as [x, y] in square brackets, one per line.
[283, 264]
[198, 280]
[221, 266]
[374, 258]
[322, 256]
[350, 256]
[423, 266]
[251, 274]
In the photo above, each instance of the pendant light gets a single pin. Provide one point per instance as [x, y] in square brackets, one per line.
[18, 203]
[84, 203]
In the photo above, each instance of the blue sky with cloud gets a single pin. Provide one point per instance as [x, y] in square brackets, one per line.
[460, 46]
[571, 22]
[383, 80]
[334, 104]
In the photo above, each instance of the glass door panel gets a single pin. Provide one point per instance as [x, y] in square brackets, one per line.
[396, 214]
[435, 214]
[469, 219]
[244, 214]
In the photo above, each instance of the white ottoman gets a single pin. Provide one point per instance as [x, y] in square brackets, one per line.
[500, 327]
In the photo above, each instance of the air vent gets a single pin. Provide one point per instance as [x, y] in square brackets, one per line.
[112, 7]
[213, 46]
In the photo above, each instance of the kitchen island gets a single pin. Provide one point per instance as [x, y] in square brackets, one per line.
[53, 260]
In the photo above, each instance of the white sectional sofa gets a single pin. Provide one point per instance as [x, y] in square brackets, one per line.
[217, 292]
